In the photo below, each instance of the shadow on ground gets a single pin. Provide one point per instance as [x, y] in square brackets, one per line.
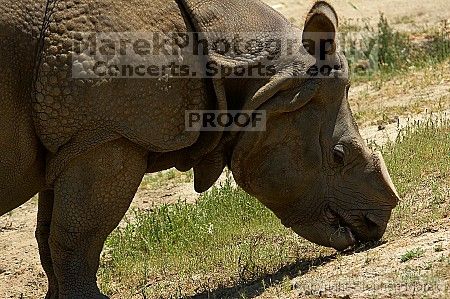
[256, 287]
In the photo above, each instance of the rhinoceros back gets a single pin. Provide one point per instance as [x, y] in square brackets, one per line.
[149, 112]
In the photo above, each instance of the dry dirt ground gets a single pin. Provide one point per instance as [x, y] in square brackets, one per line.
[381, 272]
[411, 12]
[21, 275]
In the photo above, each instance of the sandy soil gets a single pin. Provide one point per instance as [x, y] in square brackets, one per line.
[381, 272]
[412, 12]
[21, 275]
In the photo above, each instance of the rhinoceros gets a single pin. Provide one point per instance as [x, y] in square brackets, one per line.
[84, 144]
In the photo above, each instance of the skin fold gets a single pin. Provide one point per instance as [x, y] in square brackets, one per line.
[85, 144]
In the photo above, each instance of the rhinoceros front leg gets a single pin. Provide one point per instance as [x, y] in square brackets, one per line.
[91, 197]
[44, 219]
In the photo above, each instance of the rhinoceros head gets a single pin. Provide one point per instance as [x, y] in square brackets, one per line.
[310, 166]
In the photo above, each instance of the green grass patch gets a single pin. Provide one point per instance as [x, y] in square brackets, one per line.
[381, 52]
[226, 238]
[412, 254]
[419, 163]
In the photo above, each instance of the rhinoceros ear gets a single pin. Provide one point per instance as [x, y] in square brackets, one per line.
[292, 99]
[319, 34]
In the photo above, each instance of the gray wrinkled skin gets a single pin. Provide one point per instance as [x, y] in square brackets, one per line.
[84, 145]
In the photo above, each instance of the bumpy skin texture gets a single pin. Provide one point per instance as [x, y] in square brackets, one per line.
[91, 197]
[148, 112]
[84, 145]
[21, 157]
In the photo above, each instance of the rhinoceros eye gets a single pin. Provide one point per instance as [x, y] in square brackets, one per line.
[339, 154]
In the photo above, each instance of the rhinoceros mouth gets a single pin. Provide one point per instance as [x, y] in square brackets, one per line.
[343, 233]
[363, 228]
